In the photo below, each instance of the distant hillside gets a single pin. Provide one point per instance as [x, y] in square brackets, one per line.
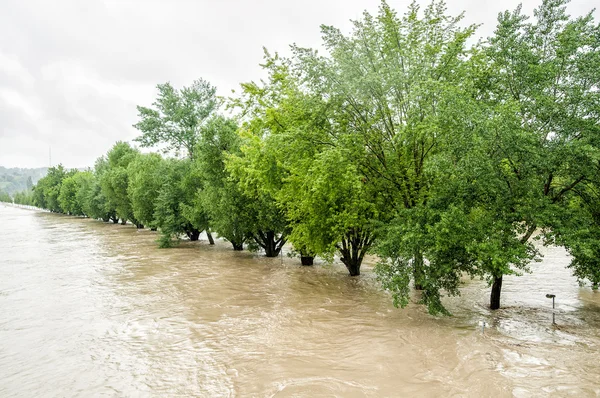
[16, 179]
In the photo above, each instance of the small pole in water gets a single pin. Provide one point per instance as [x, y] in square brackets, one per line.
[483, 325]
[552, 296]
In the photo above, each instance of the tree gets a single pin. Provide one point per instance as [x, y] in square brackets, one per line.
[97, 204]
[24, 198]
[4, 197]
[256, 171]
[169, 208]
[145, 177]
[194, 212]
[85, 181]
[228, 209]
[68, 195]
[541, 90]
[334, 211]
[46, 191]
[114, 181]
[579, 230]
[177, 117]
[384, 86]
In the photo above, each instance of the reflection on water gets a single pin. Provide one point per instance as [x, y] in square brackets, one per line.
[92, 309]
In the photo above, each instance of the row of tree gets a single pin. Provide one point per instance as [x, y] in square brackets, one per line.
[441, 157]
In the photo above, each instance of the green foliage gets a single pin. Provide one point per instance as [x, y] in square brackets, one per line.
[84, 181]
[24, 198]
[386, 89]
[114, 180]
[170, 203]
[97, 204]
[538, 98]
[47, 190]
[228, 209]
[579, 230]
[255, 170]
[68, 195]
[177, 117]
[145, 176]
[5, 197]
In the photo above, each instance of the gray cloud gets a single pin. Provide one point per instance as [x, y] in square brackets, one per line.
[72, 72]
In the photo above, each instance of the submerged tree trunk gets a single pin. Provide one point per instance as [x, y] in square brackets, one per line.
[123, 221]
[306, 260]
[271, 245]
[237, 245]
[193, 234]
[353, 249]
[353, 265]
[306, 257]
[139, 226]
[210, 238]
[418, 272]
[495, 296]
[153, 229]
[497, 284]
[114, 219]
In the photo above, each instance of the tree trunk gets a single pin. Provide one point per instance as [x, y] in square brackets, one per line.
[271, 245]
[115, 220]
[154, 229]
[418, 273]
[270, 250]
[306, 260]
[194, 234]
[353, 266]
[210, 238]
[495, 296]
[139, 226]
[123, 221]
[237, 246]
[595, 286]
[354, 247]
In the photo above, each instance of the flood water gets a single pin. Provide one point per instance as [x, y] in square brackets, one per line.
[94, 309]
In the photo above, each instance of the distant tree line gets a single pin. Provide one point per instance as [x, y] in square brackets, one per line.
[13, 180]
[443, 158]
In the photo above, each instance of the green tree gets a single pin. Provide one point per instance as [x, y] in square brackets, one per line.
[97, 204]
[252, 169]
[68, 195]
[4, 197]
[47, 190]
[145, 176]
[539, 87]
[114, 181]
[193, 211]
[171, 201]
[228, 209]
[384, 87]
[579, 230]
[24, 198]
[177, 117]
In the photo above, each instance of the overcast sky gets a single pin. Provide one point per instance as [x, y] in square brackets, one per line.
[72, 71]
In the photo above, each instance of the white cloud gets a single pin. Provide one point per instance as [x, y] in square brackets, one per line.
[71, 71]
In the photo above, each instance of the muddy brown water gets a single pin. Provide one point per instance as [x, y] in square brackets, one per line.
[95, 309]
